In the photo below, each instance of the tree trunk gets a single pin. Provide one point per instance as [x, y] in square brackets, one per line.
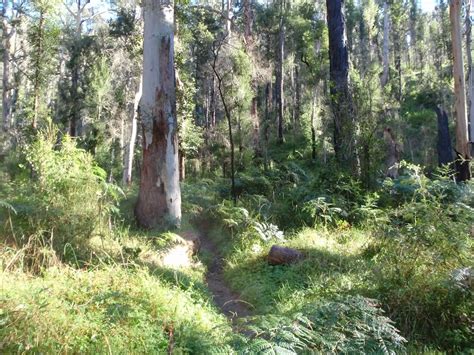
[313, 123]
[462, 140]
[228, 17]
[279, 79]
[6, 97]
[182, 165]
[470, 74]
[444, 147]
[75, 114]
[393, 153]
[231, 135]
[268, 102]
[213, 103]
[38, 69]
[386, 44]
[130, 151]
[159, 199]
[341, 102]
[398, 64]
[256, 127]
[248, 21]
[297, 98]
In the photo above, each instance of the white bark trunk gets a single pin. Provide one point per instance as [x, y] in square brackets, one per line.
[130, 150]
[160, 195]
[228, 22]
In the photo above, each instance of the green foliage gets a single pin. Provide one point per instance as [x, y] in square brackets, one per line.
[347, 325]
[427, 241]
[7, 206]
[112, 309]
[62, 195]
[323, 212]
[268, 231]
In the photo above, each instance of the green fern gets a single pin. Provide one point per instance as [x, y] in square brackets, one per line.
[348, 325]
[7, 206]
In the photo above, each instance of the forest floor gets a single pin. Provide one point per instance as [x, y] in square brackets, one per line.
[228, 301]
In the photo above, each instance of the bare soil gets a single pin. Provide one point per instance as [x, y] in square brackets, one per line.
[230, 303]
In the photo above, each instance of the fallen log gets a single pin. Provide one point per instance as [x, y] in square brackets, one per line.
[279, 255]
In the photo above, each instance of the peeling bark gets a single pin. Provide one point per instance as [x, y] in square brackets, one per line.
[159, 198]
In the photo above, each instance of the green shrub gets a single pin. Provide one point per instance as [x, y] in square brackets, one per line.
[427, 240]
[352, 325]
[105, 310]
[61, 198]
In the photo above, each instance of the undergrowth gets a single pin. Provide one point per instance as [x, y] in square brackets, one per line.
[383, 271]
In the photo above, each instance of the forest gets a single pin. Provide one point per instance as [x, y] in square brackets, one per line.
[236, 177]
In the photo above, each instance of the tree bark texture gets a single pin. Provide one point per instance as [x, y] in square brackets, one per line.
[159, 198]
[6, 97]
[313, 123]
[393, 153]
[462, 139]
[228, 17]
[470, 74]
[256, 127]
[38, 69]
[279, 79]
[386, 44]
[444, 146]
[341, 101]
[248, 21]
[130, 149]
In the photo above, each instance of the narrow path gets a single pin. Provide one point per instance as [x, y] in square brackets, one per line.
[228, 301]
